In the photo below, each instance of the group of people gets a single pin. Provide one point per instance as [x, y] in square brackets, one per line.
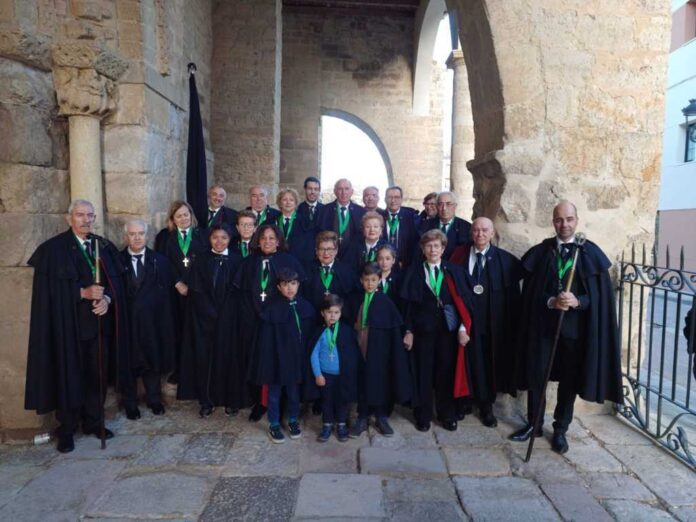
[322, 304]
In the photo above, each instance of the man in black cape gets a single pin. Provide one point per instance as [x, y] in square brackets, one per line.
[588, 356]
[400, 227]
[342, 215]
[492, 279]
[150, 288]
[71, 319]
[457, 230]
[218, 213]
[308, 210]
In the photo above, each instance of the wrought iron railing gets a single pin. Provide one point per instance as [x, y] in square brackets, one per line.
[658, 359]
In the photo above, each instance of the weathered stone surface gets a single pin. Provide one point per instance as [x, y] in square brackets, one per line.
[476, 462]
[29, 141]
[402, 490]
[25, 188]
[388, 462]
[151, 495]
[619, 486]
[590, 456]
[63, 492]
[349, 496]
[469, 435]
[89, 447]
[574, 502]
[684, 513]
[417, 512]
[481, 499]
[162, 450]
[262, 457]
[252, 498]
[630, 511]
[28, 47]
[611, 430]
[14, 478]
[327, 457]
[26, 454]
[545, 466]
[207, 449]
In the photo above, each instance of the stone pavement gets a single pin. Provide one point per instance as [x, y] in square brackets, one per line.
[179, 467]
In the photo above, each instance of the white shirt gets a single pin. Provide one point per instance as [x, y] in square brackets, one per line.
[182, 230]
[134, 260]
[223, 253]
[432, 267]
[472, 257]
[559, 242]
[330, 265]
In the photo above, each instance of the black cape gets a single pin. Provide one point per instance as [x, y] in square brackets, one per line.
[600, 374]
[281, 350]
[60, 320]
[300, 241]
[211, 368]
[384, 372]
[356, 252]
[348, 361]
[344, 282]
[150, 313]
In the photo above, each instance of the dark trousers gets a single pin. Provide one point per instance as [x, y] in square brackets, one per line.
[153, 389]
[333, 407]
[568, 362]
[435, 357]
[292, 395]
[92, 402]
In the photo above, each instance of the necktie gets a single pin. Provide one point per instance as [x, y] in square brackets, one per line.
[285, 225]
[311, 211]
[211, 214]
[326, 268]
[565, 251]
[245, 249]
[183, 235]
[443, 227]
[88, 247]
[478, 267]
[138, 266]
[293, 307]
[343, 212]
[437, 272]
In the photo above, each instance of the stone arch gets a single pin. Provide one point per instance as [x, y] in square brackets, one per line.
[427, 24]
[367, 129]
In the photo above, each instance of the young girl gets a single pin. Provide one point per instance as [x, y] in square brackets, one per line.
[390, 279]
[383, 377]
[281, 353]
[211, 369]
[334, 367]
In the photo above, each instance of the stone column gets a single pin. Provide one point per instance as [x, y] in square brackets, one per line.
[461, 181]
[84, 76]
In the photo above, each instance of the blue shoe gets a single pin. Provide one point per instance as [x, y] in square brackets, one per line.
[358, 428]
[294, 429]
[325, 434]
[275, 434]
[342, 432]
[382, 425]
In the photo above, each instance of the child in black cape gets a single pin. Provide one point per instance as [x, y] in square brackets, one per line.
[280, 359]
[334, 365]
[211, 369]
[390, 277]
[383, 377]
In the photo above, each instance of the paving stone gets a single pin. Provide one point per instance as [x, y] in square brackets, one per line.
[154, 495]
[180, 417]
[207, 449]
[121, 446]
[477, 436]
[63, 492]
[350, 496]
[667, 477]
[610, 429]
[27, 454]
[417, 512]
[263, 458]
[162, 450]
[619, 486]
[631, 511]
[419, 490]
[684, 513]
[13, 478]
[389, 462]
[252, 498]
[590, 456]
[329, 457]
[574, 502]
[493, 498]
[545, 467]
[477, 462]
[405, 436]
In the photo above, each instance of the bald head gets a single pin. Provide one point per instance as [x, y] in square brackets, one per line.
[482, 232]
[565, 219]
[343, 190]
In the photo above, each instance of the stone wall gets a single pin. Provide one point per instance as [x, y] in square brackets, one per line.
[362, 65]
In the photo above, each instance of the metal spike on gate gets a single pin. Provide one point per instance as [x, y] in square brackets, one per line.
[681, 258]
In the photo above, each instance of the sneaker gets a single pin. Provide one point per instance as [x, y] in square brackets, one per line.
[382, 425]
[342, 432]
[231, 412]
[205, 411]
[275, 434]
[294, 429]
[325, 433]
[358, 428]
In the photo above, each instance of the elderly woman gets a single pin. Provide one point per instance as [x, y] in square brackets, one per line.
[299, 241]
[429, 207]
[436, 320]
[180, 242]
[363, 249]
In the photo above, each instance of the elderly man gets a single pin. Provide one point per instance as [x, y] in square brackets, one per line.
[73, 326]
[492, 278]
[587, 361]
[258, 204]
[218, 213]
[342, 215]
[370, 198]
[457, 230]
[308, 210]
[400, 225]
[149, 285]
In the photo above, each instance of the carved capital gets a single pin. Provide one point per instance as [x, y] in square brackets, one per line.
[84, 76]
[455, 60]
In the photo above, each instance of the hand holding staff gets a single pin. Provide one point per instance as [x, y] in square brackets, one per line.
[564, 301]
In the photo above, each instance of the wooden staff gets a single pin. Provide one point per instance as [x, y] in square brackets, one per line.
[100, 349]
[579, 241]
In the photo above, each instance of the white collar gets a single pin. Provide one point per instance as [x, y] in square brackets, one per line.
[223, 253]
[136, 253]
[569, 242]
[475, 251]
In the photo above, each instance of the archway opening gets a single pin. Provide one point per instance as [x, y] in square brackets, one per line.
[351, 149]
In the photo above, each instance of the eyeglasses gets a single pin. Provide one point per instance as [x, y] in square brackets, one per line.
[326, 250]
[246, 225]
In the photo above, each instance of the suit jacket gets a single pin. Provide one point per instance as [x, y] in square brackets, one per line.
[270, 217]
[406, 239]
[225, 216]
[303, 216]
[459, 233]
[328, 220]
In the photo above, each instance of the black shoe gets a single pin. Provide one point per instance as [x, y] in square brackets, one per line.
[358, 428]
[231, 412]
[132, 412]
[205, 411]
[423, 426]
[382, 425]
[65, 444]
[462, 411]
[257, 412]
[450, 425]
[157, 409]
[559, 443]
[108, 434]
[523, 435]
[488, 419]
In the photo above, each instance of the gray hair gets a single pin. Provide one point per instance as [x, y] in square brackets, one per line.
[450, 194]
[342, 179]
[266, 192]
[370, 187]
[79, 203]
[135, 222]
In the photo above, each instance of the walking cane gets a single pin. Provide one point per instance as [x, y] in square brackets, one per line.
[579, 241]
[100, 351]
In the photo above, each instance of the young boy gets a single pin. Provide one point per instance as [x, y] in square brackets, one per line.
[383, 377]
[281, 352]
[334, 365]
